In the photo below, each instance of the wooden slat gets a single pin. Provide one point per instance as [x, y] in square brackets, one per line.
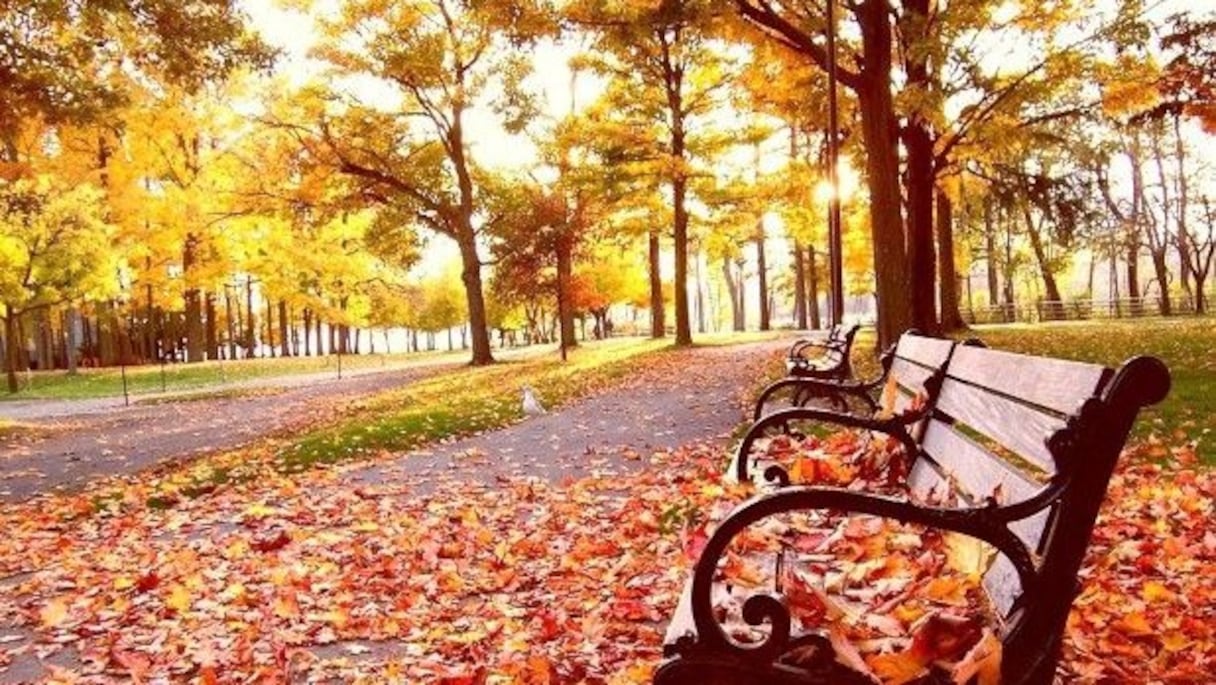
[931, 352]
[1001, 582]
[1056, 384]
[1018, 427]
[909, 376]
[926, 483]
[978, 472]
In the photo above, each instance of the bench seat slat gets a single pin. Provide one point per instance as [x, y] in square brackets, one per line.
[931, 352]
[978, 471]
[1056, 384]
[1015, 426]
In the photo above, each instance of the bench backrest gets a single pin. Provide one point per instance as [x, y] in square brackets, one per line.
[910, 366]
[1014, 428]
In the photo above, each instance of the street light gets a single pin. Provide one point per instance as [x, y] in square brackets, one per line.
[834, 240]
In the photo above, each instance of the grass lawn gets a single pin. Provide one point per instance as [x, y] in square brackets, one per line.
[1187, 346]
[142, 380]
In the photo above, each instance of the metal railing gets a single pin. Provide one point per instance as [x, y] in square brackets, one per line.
[1085, 309]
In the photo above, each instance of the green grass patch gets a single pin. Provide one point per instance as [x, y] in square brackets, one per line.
[153, 378]
[468, 401]
[1185, 345]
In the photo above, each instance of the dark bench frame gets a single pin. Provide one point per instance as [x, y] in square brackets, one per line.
[1085, 451]
[835, 361]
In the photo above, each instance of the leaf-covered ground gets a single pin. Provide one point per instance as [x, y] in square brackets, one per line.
[517, 580]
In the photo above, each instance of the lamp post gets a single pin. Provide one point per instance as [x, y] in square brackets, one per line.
[836, 263]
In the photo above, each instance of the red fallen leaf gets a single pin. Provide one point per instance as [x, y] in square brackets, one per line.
[549, 626]
[136, 664]
[207, 676]
[695, 540]
[944, 636]
[631, 610]
[273, 540]
[148, 581]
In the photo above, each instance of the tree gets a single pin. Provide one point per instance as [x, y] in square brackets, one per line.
[54, 245]
[667, 72]
[408, 152]
[66, 62]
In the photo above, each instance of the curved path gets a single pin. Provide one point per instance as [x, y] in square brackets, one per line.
[61, 451]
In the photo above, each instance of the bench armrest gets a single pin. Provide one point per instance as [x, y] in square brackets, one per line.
[821, 387]
[895, 426]
[984, 523]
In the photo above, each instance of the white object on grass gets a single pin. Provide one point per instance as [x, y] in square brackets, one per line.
[532, 406]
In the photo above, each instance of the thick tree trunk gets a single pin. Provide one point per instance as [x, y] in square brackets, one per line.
[762, 273]
[683, 321]
[879, 132]
[565, 271]
[799, 287]
[950, 317]
[919, 145]
[658, 325]
[269, 333]
[471, 275]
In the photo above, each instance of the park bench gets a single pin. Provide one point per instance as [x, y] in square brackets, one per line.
[1025, 446]
[911, 361]
[829, 358]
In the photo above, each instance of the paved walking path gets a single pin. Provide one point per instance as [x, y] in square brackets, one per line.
[64, 451]
[684, 397]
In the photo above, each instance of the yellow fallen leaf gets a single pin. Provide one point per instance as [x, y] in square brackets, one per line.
[54, 612]
[179, 598]
[967, 555]
[1154, 591]
[1135, 624]
[898, 668]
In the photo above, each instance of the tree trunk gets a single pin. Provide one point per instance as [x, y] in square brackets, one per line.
[194, 306]
[732, 288]
[308, 332]
[283, 326]
[762, 272]
[565, 271]
[250, 319]
[1052, 290]
[879, 133]
[270, 349]
[231, 325]
[990, 246]
[12, 348]
[658, 326]
[73, 316]
[471, 275]
[812, 281]
[950, 317]
[213, 345]
[920, 243]
[799, 287]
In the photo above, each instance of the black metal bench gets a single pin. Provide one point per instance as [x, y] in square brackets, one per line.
[1026, 445]
[828, 358]
[911, 361]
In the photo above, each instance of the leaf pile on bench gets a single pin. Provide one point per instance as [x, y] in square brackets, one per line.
[897, 600]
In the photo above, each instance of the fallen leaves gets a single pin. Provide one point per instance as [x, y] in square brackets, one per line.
[523, 581]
